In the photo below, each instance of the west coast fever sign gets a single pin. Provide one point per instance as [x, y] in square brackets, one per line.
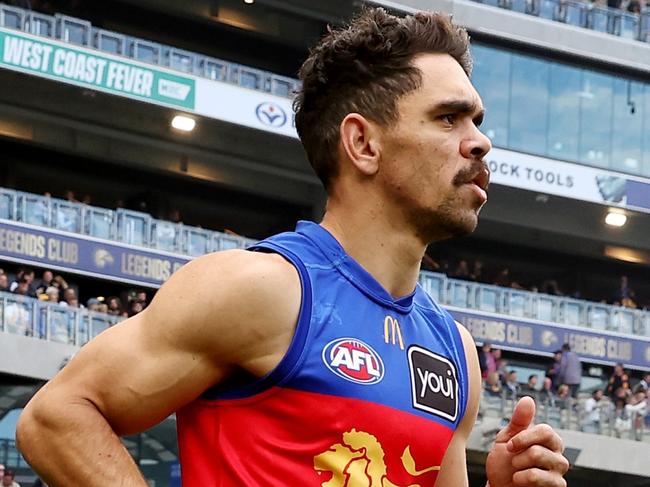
[86, 255]
[94, 69]
[545, 338]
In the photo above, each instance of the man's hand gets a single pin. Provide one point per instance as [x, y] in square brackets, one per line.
[526, 455]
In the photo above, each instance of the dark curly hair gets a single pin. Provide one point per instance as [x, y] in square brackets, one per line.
[365, 68]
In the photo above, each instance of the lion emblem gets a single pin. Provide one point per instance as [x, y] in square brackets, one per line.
[358, 461]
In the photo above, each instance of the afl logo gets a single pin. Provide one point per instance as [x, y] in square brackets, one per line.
[271, 114]
[353, 360]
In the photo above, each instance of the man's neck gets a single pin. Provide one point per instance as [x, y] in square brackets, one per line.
[389, 251]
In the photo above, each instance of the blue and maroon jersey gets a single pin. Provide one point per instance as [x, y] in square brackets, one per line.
[369, 393]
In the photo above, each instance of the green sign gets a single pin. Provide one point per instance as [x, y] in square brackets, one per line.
[95, 70]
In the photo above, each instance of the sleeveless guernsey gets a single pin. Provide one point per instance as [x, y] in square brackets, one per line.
[369, 393]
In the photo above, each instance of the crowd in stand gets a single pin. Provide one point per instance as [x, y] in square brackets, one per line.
[625, 407]
[621, 294]
[53, 288]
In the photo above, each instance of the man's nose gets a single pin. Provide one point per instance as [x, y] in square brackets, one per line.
[476, 145]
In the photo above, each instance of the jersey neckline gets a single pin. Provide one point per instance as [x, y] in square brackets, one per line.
[351, 269]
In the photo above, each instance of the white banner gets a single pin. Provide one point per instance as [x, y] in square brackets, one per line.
[569, 180]
[244, 106]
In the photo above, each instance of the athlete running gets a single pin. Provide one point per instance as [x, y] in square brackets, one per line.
[314, 358]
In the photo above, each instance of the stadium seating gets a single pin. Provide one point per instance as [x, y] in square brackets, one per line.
[582, 14]
[82, 33]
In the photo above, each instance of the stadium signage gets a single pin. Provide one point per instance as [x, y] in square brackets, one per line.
[96, 70]
[569, 180]
[85, 255]
[538, 337]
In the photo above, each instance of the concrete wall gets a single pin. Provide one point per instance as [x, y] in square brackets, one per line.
[32, 357]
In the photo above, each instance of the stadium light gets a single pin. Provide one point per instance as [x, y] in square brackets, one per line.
[249, 2]
[615, 218]
[183, 123]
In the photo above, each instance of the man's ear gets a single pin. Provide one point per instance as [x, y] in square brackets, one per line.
[360, 142]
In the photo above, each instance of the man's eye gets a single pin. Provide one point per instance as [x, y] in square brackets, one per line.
[449, 118]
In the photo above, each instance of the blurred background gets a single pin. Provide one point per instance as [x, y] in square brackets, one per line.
[136, 135]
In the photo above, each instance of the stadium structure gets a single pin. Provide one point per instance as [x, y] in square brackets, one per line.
[136, 135]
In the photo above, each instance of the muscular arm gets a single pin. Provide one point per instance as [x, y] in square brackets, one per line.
[217, 313]
[453, 472]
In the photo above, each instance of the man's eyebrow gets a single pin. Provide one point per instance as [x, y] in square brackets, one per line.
[460, 106]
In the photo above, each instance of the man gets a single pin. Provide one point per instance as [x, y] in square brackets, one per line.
[645, 382]
[8, 479]
[317, 358]
[618, 381]
[487, 361]
[512, 385]
[530, 387]
[570, 372]
[593, 408]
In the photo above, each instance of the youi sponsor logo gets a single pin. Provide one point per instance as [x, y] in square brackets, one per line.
[353, 360]
[271, 114]
[434, 385]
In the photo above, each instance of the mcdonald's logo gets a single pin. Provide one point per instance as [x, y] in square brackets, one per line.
[393, 332]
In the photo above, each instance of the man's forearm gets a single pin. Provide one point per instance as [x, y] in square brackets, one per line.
[73, 445]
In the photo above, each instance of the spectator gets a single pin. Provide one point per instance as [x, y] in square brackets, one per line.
[8, 479]
[634, 7]
[22, 287]
[492, 385]
[135, 307]
[553, 370]
[4, 282]
[70, 298]
[618, 380]
[59, 282]
[550, 286]
[624, 295]
[563, 397]
[512, 386]
[24, 276]
[52, 294]
[570, 372]
[93, 304]
[530, 387]
[502, 365]
[486, 359]
[593, 408]
[503, 278]
[141, 296]
[477, 271]
[645, 382]
[461, 271]
[46, 280]
[114, 306]
[546, 395]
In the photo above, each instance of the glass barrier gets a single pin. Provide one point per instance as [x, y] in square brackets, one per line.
[133, 227]
[81, 32]
[8, 203]
[25, 316]
[12, 17]
[141, 229]
[72, 30]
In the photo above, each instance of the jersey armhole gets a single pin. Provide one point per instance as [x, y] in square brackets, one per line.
[294, 355]
[463, 372]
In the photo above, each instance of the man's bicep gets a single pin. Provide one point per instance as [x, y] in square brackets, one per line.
[133, 377]
[453, 471]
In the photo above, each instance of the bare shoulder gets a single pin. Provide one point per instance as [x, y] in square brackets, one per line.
[256, 294]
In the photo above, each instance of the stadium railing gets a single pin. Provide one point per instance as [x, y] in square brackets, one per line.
[582, 14]
[26, 316]
[141, 229]
[122, 225]
[82, 33]
[528, 304]
[570, 414]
